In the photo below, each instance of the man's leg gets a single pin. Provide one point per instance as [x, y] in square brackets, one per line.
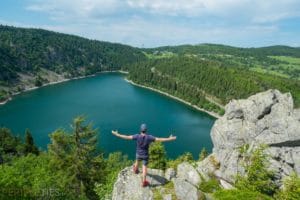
[145, 182]
[144, 172]
[136, 166]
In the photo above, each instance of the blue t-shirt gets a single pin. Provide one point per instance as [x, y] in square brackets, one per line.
[142, 144]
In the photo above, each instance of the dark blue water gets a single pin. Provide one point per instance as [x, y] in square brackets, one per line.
[109, 102]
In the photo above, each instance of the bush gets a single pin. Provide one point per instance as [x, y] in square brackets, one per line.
[186, 157]
[210, 186]
[240, 194]
[258, 178]
[114, 163]
[203, 154]
[291, 190]
[31, 177]
[158, 156]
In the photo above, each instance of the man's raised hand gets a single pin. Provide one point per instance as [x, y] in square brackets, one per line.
[114, 132]
[172, 137]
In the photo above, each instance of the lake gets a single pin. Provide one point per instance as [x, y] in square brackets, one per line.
[109, 102]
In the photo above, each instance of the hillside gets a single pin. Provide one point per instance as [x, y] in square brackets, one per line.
[36, 56]
[207, 75]
[276, 60]
[207, 84]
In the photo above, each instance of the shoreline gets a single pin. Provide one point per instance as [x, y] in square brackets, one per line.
[215, 115]
[57, 82]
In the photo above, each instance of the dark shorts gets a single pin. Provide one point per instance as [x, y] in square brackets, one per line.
[143, 159]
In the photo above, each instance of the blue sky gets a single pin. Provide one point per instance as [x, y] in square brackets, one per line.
[151, 23]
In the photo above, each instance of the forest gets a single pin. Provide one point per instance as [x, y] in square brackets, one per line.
[30, 50]
[207, 84]
[206, 75]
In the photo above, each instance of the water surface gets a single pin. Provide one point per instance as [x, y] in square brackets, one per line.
[109, 102]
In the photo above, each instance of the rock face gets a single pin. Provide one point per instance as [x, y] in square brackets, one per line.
[170, 173]
[188, 173]
[265, 118]
[128, 186]
[185, 190]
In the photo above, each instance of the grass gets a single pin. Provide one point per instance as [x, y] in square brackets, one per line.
[291, 60]
[268, 71]
[160, 55]
[239, 194]
[167, 189]
[210, 186]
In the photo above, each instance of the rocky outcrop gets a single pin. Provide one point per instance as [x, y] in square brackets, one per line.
[265, 118]
[184, 185]
[128, 186]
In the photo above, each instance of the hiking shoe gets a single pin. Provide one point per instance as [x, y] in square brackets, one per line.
[135, 170]
[145, 183]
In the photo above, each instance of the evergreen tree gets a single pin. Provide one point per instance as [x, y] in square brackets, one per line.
[29, 144]
[10, 145]
[158, 156]
[258, 177]
[75, 153]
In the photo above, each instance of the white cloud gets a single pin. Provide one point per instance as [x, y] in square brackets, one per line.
[163, 22]
[179, 7]
[255, 10]
[64, 10]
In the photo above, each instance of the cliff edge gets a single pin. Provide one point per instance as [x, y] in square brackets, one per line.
[267, 118]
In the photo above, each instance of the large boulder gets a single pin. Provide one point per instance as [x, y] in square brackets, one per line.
[208, 167]
[187, 172]
[128, 185]
[170, 173]
[265, 118]
[185, 190]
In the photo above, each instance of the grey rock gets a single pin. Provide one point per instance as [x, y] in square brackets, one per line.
[187, 172]
[206, 167]
[128, 187]
[185, 190]
[265, 118]
[156, 177]
[170, 173]
[226, 185]
[167, 197]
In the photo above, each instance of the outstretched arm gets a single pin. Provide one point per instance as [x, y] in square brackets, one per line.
[170, 138]
[126, 137]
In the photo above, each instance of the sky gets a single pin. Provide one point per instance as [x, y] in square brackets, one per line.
[152, 23]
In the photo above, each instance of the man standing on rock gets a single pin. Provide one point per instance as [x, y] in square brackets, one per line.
[143, 140]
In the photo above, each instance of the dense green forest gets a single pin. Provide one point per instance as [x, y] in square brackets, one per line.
[203, 82]
[32, 51]
[207, 75]
[276, 60]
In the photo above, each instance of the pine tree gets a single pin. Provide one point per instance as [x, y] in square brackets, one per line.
[75, 153]
[158, 156]
[29, 144]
